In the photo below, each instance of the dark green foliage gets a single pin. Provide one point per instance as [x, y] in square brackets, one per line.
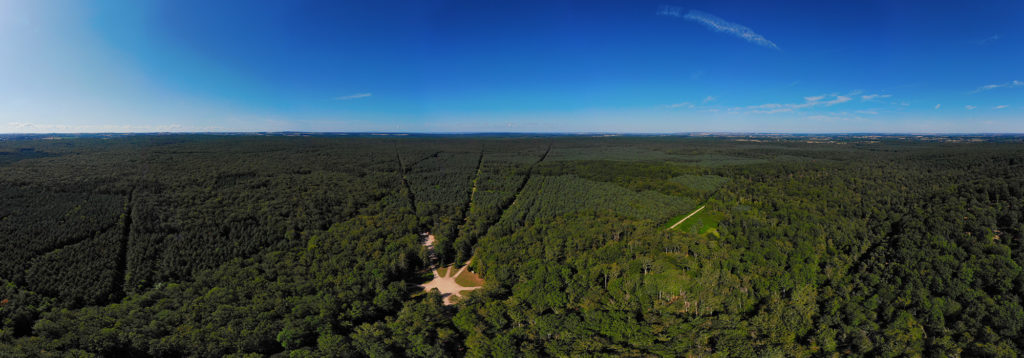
[700, 183]
[442, 185]
[545, 197]
[185, 245]
[19, 310]
[671, 178]
[35, 222]
[87, 272]
[12, 155]
[502, 175]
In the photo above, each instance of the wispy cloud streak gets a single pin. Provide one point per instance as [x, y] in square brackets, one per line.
[354, 96]
[809, 102]
[869, 97]
[1010, 84]
[681, 105]
[673, 11]
[718, 24]
[989, 39]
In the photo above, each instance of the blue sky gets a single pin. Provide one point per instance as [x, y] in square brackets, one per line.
[523, 66]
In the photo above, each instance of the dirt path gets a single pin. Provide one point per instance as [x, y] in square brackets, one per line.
[687, 217]
[461, 269]
[446, 284]
[428, 242]
[472, 193]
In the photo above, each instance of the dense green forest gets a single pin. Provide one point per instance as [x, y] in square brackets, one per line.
[311, 245]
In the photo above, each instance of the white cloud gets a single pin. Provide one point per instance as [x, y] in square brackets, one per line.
[988, 39]
[869, 97]
[673, 11]
[834, 116]
[970, 107]
[353, 96]
[680, 105]
[938, 105]
[1011, 84]
[718, 24]
[689, 104]
[772, 110]
[820, 118]
[1002, 106]
[838, 100]
[810, 101]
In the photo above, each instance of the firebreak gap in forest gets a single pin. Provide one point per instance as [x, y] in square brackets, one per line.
[311, 245]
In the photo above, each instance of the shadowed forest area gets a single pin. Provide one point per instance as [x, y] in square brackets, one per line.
[309, 246]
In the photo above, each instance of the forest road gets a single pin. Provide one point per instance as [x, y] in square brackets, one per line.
[687, 217]
[446, 284]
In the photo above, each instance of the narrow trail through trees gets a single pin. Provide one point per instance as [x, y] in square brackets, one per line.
[472, 193]
[687, 217]
[522, 185]
[122, 255]
[405, 182]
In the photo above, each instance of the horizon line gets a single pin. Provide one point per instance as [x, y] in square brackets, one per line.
[700, 133]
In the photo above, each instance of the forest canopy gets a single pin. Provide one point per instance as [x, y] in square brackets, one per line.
[313, 245]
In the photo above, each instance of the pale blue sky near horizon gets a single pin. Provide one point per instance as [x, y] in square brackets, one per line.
[530, 66]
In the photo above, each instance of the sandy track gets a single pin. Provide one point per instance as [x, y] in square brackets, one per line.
[687, 217]
[446, 285]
